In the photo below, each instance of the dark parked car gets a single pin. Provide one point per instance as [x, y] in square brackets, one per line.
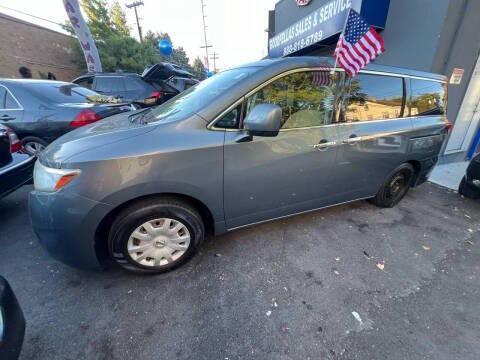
[470, 185]
[156, 85]
[16, 168]
[40, 111]
[252, 144]
[12, 323]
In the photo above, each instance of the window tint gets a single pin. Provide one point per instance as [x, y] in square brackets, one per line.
[428, 98]
[62, 92]
[306, 99]
[106, 84]
[86, 83]
[373, 97]
[231, 120]
[132, 84]
[10, 102]
[3, 95]
[7, 102]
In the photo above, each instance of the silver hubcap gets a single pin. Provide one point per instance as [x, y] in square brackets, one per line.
[34, 147]
[158, 242]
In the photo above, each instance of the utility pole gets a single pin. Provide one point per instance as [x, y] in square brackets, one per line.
[134, 5]
[215, 57]
[205, 35]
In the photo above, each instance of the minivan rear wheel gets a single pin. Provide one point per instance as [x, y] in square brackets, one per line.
[395, 187]
[156, 235]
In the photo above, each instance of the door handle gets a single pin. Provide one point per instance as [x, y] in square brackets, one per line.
[7, 117]
[352, 140]
[324, 145]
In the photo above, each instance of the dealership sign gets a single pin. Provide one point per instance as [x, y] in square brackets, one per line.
[323, 23]
[303, 2]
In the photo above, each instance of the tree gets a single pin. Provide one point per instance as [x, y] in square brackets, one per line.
[98, 16]
[179, 56]
[199, 69]
[117, 48]
[119, 19]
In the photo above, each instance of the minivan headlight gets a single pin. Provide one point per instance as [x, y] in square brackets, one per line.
[48, 179]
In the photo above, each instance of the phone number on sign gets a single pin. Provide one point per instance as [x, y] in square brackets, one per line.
[303, 43]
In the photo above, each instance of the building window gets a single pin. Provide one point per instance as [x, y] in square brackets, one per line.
[306, 99]
[428, 98]
[373, 97]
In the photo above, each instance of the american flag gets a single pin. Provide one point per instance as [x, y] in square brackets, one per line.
[358, 45]
[322, 77]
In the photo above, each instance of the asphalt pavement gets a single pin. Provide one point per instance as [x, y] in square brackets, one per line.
[350, 282]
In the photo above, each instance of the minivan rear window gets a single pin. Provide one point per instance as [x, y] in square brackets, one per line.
[374, 97]
[428, 98]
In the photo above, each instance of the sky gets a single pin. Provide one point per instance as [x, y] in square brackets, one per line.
[236, 28]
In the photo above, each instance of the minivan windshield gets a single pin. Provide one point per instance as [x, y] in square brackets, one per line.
[195, 98]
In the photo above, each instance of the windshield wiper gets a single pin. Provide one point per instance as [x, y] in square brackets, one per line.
[139, 116]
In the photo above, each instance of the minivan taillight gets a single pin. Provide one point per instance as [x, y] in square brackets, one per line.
[15, 144]
[156, 94]
[448, 125]
[153, 98]
[85, 117]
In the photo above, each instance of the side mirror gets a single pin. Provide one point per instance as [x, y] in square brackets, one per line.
[264, 120]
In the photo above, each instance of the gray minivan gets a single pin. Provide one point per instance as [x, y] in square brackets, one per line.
[259, 142]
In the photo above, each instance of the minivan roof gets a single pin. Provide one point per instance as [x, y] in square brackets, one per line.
[294, 62]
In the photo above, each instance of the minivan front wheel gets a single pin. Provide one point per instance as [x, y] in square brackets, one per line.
[156, 235]
[395, 187]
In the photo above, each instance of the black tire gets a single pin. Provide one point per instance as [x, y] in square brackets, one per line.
[468, 190]
[132, 217]
[26, 141]
[395, 187]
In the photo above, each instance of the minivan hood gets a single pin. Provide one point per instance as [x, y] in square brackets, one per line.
[107, 131]
[164, 72]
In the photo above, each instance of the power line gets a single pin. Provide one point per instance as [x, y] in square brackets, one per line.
[215, 57]
[33, 16]
[205, 35]
[134, 6]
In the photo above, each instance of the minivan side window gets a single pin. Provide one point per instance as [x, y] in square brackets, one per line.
[109, 84]
[132, 84]
[230, 120]
[306, 99]
[86, 82]
[428, 98]
[373, 97]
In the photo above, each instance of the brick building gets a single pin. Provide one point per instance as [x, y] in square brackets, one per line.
[37, 48]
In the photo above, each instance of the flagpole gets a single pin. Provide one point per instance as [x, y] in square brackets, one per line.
[341, 35]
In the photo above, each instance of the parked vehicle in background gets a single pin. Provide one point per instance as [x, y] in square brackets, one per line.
[16, 167]
[470, 185]
[259, 142]
[40, 111]
[156, 85]
[12, 323]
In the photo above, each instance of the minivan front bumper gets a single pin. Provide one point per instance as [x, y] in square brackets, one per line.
[66, 224]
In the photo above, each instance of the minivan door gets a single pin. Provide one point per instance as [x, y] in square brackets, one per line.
[271, 177]
[373, 133]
